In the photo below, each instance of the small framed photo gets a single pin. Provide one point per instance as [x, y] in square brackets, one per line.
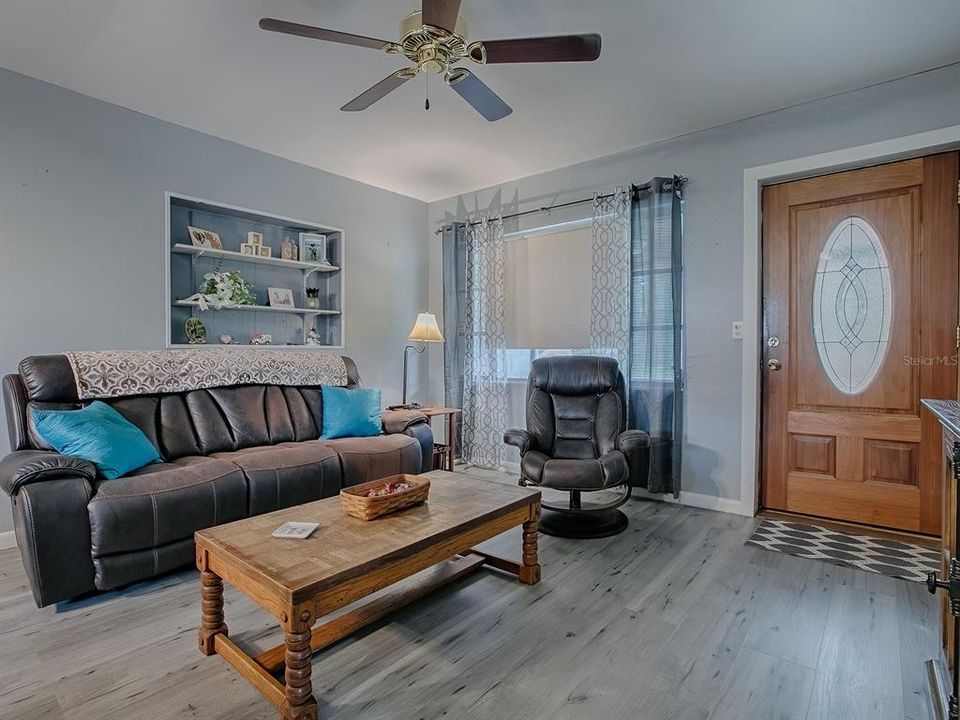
[255, 238]
[288, 250]
[280, 297]
[204, 238]
[313, 248]
[248, 249]
[265, 250]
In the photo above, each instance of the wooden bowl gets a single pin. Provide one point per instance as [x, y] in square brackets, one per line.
[356, 504]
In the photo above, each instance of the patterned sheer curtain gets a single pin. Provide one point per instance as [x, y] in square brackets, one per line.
[610, 294]
[474, 301]
[656, 380]
[454, 239]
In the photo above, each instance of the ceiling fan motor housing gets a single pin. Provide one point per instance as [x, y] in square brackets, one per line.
[433, 49]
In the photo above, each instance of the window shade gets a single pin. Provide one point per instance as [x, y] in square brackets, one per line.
[548, 280]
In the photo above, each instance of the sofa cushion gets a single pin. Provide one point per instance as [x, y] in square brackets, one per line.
[163, 503]
[280, 476]
[371, 458]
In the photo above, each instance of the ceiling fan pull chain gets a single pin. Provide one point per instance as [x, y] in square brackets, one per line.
[426, 91]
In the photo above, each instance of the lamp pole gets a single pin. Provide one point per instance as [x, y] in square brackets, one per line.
[417, 350]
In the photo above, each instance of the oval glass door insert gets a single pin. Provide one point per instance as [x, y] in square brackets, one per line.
[852, 305]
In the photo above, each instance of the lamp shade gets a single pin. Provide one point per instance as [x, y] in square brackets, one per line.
[425, 329]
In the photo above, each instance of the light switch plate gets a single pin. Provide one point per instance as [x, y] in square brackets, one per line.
[738, 329]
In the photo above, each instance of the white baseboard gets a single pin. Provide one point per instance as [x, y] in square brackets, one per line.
[699, 500]
[7, 540]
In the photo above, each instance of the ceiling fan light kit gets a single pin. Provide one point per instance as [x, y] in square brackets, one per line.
[435, 39]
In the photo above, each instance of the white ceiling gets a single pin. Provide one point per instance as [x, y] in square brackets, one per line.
[667, 67]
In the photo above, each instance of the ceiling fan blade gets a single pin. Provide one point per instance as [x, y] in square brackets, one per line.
[484, 100]
[379, 91]
[560, 48]
[441, 13]
[309, 31]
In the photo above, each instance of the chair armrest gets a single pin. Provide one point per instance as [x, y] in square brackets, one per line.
[635, 446]
[397, 421]
[30, 466]
[520, 439]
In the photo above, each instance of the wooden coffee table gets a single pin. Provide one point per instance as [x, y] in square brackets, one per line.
[346, 559]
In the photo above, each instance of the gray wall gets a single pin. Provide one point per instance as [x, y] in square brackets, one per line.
[82, 229]
[714, 161]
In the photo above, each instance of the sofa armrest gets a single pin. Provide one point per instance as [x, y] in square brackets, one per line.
[520, 439]
[52, 527]
[397, 421]
[635, 446]
[423, 434]
[30, 466]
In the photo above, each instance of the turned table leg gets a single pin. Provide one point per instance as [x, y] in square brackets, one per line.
[530, 567]
[299, 701]
[211, 608]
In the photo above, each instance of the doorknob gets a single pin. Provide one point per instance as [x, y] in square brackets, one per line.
[774, 364]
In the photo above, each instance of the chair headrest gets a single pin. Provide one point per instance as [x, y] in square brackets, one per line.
[574, 375]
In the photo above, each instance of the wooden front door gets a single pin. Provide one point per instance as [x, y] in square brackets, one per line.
[860, 273]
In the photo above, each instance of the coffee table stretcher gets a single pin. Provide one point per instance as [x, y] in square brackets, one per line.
[294, 697]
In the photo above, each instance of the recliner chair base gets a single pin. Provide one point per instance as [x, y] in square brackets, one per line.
[582, 525]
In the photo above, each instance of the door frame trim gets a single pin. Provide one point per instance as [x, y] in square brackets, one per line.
[754, 178]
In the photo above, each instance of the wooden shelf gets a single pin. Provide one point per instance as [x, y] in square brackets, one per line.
[259, 308]
[254, 259]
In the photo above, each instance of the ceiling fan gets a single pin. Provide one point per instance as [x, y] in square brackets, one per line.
[435, 39]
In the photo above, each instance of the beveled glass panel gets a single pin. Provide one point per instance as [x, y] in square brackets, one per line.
[852, 305]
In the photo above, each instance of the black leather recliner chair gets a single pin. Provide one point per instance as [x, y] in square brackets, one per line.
[576, 441]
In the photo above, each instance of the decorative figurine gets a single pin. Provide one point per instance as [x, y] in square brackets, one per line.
[261, 339]
[227, 340]
[313, 337]
[195, 330]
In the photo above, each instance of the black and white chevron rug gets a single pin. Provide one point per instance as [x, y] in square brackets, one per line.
[887, 557]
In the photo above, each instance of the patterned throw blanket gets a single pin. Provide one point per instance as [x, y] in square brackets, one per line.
[115, 373]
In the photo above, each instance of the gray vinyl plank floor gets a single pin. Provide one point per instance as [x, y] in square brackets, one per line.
[674, 619]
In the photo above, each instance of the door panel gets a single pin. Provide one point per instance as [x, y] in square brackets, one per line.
[860, 273]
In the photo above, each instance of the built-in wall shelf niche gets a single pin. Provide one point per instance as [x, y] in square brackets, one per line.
[258, 246]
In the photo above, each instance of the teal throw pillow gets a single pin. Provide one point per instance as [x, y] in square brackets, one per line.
[97, 433]
[350, 413]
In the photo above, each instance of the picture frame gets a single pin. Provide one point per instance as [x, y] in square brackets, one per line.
[204, 238]
[289, 250]
[313, 248]
[265, 250]
[280, 297]
[254, 238]
[248, 249]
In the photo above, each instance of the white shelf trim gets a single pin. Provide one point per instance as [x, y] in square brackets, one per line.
[184, 249]
[259, 308]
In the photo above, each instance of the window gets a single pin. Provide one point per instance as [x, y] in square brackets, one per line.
[651, 311]
[852, 301]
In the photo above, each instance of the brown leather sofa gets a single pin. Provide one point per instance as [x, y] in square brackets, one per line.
[229, 453]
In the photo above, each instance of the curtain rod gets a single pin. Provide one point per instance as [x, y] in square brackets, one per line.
[547, 208]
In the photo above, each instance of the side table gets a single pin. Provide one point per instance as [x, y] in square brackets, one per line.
[444, 453]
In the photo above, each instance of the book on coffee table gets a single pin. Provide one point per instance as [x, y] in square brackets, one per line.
[295, 530]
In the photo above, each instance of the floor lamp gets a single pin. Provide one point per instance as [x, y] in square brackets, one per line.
[425, 330]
